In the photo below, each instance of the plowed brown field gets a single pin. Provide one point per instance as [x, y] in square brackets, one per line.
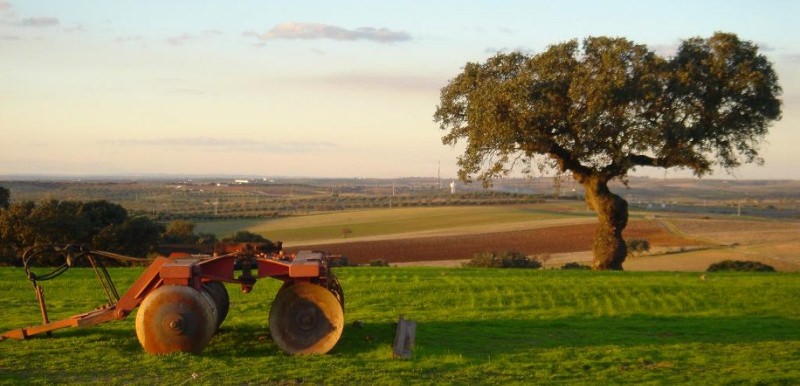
[561, 239]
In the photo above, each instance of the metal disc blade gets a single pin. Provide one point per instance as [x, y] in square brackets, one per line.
[175, 318]
[337, 290]
[306, 319]
[219, 294]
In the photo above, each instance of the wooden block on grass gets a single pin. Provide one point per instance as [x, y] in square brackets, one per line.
[404, 338]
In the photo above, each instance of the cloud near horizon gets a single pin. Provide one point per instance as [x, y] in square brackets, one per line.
[227, 144]
[39, 21]
[314, 31]
[426, 84]
[179, 40]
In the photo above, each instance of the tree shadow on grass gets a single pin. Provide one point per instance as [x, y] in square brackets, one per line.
[482, 338]
[490, 337]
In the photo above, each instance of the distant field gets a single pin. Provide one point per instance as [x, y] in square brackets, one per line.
[223, 228]
[542, 242]
[381, 222]
[476, 326]
[559, 230]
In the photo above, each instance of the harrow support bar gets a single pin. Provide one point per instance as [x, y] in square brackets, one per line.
[147, 282]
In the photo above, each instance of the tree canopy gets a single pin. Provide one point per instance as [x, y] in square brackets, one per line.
[101, 224]
[604, 107]
[5, 197]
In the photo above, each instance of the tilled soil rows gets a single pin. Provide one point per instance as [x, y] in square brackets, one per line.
[561, 239]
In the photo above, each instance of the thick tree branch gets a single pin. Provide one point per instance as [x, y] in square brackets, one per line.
[643, 160]
[566, 161]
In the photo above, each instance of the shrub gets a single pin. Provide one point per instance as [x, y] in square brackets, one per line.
[503, 260]
[340, 262]
[245, 237]
[574, 265]
[638, 246]
[739, 266]
[378, 263]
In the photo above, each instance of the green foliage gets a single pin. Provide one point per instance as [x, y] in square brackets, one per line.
[245, 237]
[475, 326]
[206, 238]
[638, 246]
[340, 261]
[99, 224]
[5, 197]
[739, 266]
[601, 108]
[574, 265]
[609, 105]
[180, 232]
[503, 260]
[136, 236]
[378, 263]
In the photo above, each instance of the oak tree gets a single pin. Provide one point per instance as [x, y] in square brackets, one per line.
[5, 196]
[600, 109]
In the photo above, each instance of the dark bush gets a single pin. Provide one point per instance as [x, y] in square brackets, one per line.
[340, 261]
[245, 237]
[378, 263]
[503, 260]
[739, 266]
[574, 265]
[638, 246]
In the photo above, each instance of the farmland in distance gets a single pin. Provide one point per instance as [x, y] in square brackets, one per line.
[689, 223]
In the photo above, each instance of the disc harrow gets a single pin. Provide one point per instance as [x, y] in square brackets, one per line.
[182, 299]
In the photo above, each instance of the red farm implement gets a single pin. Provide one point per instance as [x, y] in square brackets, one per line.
[182, 300]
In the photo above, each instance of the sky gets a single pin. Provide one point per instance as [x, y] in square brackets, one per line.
[310, 88]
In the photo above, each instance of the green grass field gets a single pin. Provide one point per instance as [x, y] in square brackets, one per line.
[476, 326]
[379, 222]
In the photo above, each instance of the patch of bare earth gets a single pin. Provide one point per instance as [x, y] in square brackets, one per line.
[553, 243]
[773, 243]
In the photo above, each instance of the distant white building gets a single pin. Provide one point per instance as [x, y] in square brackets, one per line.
[241, 182]
[452, 187]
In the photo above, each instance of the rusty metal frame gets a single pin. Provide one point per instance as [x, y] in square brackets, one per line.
[193, 270]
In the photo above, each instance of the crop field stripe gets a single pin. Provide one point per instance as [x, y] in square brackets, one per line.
[386, 221]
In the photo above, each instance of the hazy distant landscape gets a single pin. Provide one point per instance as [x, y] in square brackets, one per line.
[690, 223]
[224, 197]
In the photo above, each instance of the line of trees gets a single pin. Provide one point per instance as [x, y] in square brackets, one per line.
[100, 224]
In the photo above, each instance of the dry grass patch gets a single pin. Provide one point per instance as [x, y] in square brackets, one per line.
[725, 231]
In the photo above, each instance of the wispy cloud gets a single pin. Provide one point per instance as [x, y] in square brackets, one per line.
[505, 50]
[314, 31]
[792, 58]
[506, 30]
[766, 47]
[129, 39]
[386, 82]
[227, 144]
[39, 21]
[75, 28]
[4, 6]
[181, 39]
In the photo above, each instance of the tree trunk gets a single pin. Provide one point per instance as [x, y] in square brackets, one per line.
[612, 212]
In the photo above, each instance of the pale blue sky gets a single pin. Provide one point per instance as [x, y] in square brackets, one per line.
[307, 88]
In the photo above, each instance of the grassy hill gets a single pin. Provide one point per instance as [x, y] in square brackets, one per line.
[476, 326]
